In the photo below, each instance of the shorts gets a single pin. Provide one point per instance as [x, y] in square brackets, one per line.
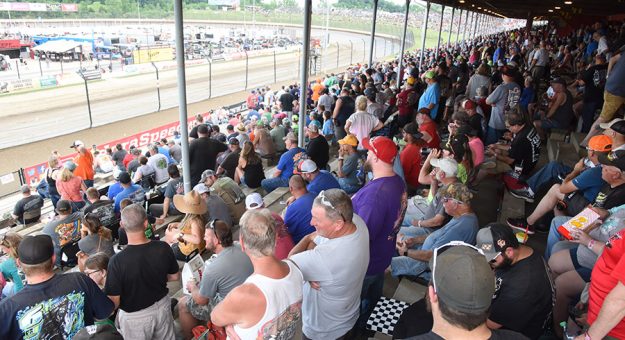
[549, 124]
[200, 312]
[611, 104]
[180, 256]
[583, 272]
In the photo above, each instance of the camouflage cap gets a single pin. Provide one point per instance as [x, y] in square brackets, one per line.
[457, 191]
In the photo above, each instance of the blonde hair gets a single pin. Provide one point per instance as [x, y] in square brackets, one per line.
[66, 175]
[361, 103]
[12, 241]
[53, 161]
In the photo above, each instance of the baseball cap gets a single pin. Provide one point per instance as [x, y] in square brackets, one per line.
[429, 74]
[99, 332]
[69, 165]
[382, 147]
[206, 174]
[290, 136]
[494, 239]
[609, 124]
[424, 110]
[63, 206]
[458, 192]
[461, 277]
[307, 166]
[410, 81]
[254, 201]
[201, 188]
[600, 143]
[412, 130]
[35, 249]
[614, 158]
[124, 178]
[349, 140]
[558, 81]
[448, 165]
[468, 104]
[233, 141]
[76, 144]
[313, 127]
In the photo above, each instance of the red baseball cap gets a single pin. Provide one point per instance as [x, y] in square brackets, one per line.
[382, 147]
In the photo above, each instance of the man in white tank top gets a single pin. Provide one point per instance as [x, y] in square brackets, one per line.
[268, 305]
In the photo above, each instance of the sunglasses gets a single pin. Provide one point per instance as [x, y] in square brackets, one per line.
[325, 201]
[92, 272]
[443, 248]
[447, 199]
[372, 143]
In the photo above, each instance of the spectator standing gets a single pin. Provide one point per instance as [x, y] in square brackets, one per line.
[203, 153]
[344, 108]
[71, 186]
[272, 294]
[229, 164]
[119, 155]
[175, 151]
[137, 279]
[505, 97]
[52, 175]
[382, 204]
[431, 97]
[134, 164]
[331, 300]
[158, 162]
[72, 299]
[362, 123]
[226, 269]
[84, 163]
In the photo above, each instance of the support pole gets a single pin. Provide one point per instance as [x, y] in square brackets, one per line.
[440, 30]
[304, 72]
[403, 44]
[451, 25]
[464, 32]
[477, 19]
[182, 95]
[372, 43]
[424, 33]
[459, 24]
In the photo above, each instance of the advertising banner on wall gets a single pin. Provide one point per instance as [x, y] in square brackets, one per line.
[37, 7]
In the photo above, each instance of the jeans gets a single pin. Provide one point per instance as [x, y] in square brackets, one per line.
[554, 236]
[417, 206]
[347, 186]
[546, 174]
[404, 265]
[371, 292]
[588, 114]
[271, 184]
[55, 198]
[493, 135]
[88, 183]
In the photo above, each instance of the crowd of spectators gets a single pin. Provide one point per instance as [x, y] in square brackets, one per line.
[413, 150]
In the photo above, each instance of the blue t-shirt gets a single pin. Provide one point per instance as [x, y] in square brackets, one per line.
[253, 113]
[328, 127]
[134, 192]
[593, 45]
[431, 96]
[615, 84]
[298, 215]
[463, 228]
[589, 182]
[323, 181]
[379, 203]
[288, 161]
[114, 189]
[527, 96]
[163, 150]
[10, 273]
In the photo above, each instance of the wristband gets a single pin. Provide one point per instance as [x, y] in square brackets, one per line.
[591, 244]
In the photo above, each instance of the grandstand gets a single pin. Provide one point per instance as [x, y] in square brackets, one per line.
[504, 118]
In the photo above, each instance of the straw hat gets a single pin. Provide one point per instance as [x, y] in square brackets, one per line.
[190, 203]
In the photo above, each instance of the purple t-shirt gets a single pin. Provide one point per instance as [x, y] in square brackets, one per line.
[381, 204]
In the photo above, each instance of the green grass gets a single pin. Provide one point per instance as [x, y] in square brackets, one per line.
[319, 20]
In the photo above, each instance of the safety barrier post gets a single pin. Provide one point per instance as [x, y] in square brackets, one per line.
[375, 16]
[158, 86]
[337, 54]
[451, 25]
[247, 68]
[440, 30]
[403, 43]
[275, 77]
[17, 67]
[424, 33]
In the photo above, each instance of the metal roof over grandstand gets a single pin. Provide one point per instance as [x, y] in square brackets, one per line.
[522, 9]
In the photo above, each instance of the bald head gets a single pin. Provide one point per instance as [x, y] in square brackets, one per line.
[297, 183]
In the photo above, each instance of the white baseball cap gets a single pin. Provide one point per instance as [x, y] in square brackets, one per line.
[308, 166]
[254, 201]
[76, 144]
[201, 188]
[448, 165]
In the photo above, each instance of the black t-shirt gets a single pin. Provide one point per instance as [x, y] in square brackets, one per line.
[138, 275]
[523, 298]
[594, 82]
[133, 165]
[230, 163]
[254, 174]
[31, 203]
[348, 106]
[319, 151]
[193, 132]
[286, 100]
[609, 197]
[118, 157]
[525, 149]
[496, 334]
[105, 211]
[54, 309]
[202, 155]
